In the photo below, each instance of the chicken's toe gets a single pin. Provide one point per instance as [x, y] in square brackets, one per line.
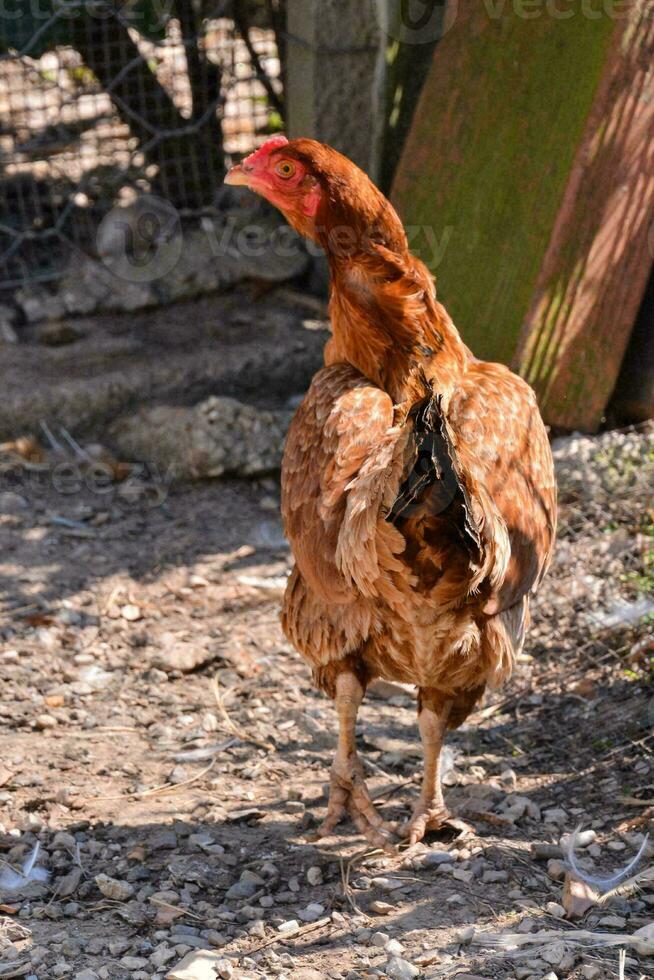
[348, 793]
[431, 817]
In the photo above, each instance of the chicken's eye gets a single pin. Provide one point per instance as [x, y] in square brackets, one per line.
[285, 169]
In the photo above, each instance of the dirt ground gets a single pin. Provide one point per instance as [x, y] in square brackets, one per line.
[156, 728]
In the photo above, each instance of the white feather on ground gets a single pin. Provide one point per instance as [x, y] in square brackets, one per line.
[600, 884]
[12, 880]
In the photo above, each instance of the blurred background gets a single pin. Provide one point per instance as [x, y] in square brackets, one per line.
[514, 138]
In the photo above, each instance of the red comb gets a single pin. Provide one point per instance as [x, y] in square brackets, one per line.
[272, 144]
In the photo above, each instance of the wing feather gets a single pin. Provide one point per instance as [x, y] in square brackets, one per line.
[342, 463]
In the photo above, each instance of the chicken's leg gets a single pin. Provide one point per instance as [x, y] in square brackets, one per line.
[348, 791]
[430, 812]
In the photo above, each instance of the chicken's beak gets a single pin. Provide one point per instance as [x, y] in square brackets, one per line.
[237, 177]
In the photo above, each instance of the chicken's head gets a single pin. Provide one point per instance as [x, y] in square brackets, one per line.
[323, 194]
[276, 172]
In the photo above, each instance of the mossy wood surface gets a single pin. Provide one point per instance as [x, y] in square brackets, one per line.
[601, 251]
[489, 155]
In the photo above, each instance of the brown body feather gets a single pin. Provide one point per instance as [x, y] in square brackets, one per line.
[437, 594]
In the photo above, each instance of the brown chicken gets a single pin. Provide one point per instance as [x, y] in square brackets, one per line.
[418, 490]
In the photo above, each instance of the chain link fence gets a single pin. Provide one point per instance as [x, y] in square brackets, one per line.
[593, 631]
[102, 101]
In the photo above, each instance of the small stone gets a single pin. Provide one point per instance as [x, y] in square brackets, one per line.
[556, 870]
[613, 922]
[163, 954]
[583, 839]
[224, 969]
[399, 969]
[491, 877]
[86, 975]
[247, 886]
[509, 779]
[554, 953]
[616, 845]
[556, 815]
[394, 947]
[69, 884]
[381, 908]
[433, 858]
[133, 962]
[294, 806]
[288, 928]
[388, 884]
[590, 972]
[379, 939]
[312, 912]
[578, 897]
[131, 613]
[555, 909]
[163, 840]
[195, 942]
[314, 875]
[514, 808]
[119, 891]
[44, 722]
[118, 947]
[201, 965]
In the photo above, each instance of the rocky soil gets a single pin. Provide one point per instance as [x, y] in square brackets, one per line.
[163, 755]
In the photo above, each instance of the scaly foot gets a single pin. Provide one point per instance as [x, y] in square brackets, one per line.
[432, 815]
[348, 793]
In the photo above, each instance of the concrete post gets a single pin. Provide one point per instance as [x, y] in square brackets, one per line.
[335, 76]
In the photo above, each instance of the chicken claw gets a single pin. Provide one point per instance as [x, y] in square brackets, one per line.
[434, 817]
[348, 793]
[430, 812]
[424, 818]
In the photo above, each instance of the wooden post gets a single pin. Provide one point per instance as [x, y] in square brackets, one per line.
[601, 252]
[527, 184]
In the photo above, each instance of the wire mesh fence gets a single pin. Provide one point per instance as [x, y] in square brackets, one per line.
[593, 634]
[102, 101]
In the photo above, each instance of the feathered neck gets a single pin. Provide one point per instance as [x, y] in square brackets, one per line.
[387, 323]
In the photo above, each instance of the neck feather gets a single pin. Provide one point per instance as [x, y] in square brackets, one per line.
[387, 323]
